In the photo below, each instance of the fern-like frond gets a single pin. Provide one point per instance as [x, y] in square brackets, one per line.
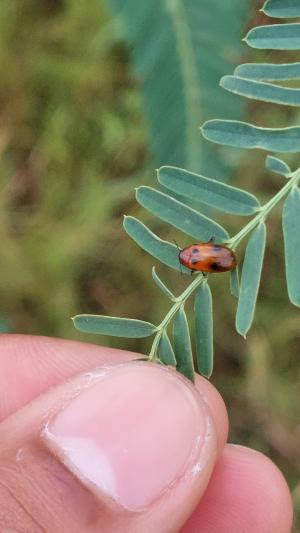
[180, 49]
[208, 191]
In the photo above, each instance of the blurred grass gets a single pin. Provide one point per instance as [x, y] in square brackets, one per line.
[70, 133]
[73, 144]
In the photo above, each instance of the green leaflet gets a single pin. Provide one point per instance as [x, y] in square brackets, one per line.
[162, 286]
[179, 215]
[116, 327]
[204, 330]
[208, 191]
[164, 251]
[234, 282]
[269, 71]
[282, 8]
[291, 233]
[275, 37]
[182, 345]
[278, 166]
[165, 351]
[243, 135]
[258, 90]
[250, 280]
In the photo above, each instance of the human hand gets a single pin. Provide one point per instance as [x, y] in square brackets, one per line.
[91, 442]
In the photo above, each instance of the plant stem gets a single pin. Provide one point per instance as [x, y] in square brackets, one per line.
[233, 243]
[180, 301]
[264, 210]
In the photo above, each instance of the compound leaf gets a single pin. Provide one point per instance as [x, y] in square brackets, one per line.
[190, 40]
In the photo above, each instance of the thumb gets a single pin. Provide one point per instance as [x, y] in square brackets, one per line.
[127, 447]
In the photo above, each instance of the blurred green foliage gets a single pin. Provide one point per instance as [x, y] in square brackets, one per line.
[70, 133]
[72, 142]
[179, 51]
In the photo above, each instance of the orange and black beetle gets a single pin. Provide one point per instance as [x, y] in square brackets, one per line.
[208, 257]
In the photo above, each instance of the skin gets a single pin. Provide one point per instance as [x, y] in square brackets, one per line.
[245, 492]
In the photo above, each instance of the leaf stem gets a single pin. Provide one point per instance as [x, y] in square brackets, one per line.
[264, 211]
[153, 351]
[180, 301]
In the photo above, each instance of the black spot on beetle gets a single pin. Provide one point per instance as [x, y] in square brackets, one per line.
[214, 266]
[194, 261]
[195, 250]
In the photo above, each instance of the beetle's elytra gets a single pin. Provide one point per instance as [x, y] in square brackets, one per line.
[208, 257]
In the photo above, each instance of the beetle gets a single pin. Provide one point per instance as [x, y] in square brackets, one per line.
[208, 257]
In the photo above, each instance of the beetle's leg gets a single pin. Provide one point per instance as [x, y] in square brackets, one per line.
[180, 266]
[212, 239]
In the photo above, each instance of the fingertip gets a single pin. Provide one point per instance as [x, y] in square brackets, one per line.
[146, 422]
[137, 436]
[267, 482]
[247, 492]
